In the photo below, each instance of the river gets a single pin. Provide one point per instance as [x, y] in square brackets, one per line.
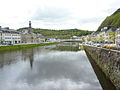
[56, 67]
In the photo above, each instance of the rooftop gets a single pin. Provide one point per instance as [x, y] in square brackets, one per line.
[4, 30]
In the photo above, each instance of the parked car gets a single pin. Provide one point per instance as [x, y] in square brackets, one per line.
[3, 43]
[118, 47]
[9, 44]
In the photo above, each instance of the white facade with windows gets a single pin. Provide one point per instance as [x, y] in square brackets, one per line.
[9, 36]
[117, 34]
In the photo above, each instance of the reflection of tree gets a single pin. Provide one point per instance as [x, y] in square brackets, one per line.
[68, 48]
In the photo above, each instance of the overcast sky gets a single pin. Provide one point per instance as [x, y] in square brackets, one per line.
[56, 14]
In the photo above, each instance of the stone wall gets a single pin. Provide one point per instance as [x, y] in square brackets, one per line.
[108, 61]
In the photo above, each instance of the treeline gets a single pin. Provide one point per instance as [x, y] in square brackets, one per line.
[68, 33]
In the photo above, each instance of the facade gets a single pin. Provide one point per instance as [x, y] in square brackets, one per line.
[0, 35]
[106, 35]
[27, 38]
[111, 34]
[103, 35]
[117, 34]
[9, 36]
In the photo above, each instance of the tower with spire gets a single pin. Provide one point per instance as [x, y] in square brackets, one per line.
[30, 27]
[30, 24]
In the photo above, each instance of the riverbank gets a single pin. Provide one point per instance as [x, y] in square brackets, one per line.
[103, 79]
[108, 61]
[14, 47]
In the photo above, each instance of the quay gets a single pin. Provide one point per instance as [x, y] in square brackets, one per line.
[108, 61]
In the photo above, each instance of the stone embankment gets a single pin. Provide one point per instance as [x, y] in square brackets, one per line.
[108, 61]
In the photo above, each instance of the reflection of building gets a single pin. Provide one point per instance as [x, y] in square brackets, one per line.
[28, 54]
[29, 37]
[9, 36]
[8, 58]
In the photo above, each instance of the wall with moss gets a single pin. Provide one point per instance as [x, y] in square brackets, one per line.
[108, 61]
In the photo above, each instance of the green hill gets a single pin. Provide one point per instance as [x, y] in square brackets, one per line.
[113, 20]
[63, 34]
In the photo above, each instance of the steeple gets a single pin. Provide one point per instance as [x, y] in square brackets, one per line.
[29, 24]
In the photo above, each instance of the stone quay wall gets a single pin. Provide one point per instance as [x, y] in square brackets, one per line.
[108, 61]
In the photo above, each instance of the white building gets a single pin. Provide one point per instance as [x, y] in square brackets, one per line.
[9, 36]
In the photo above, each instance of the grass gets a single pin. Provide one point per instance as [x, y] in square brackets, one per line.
[14, 47]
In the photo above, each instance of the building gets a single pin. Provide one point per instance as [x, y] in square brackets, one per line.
[28, 36]
[9, 36]
[111, 34]
[0, 35]
[107, 34]
[117, 36]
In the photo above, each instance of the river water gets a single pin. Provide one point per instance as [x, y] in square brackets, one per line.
[57, 67]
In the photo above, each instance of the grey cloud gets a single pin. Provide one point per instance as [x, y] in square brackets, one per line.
[90, 20]
[51, 14]
[116, 4]
[110, 11]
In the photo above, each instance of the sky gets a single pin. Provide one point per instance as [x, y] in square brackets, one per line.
[56, 14]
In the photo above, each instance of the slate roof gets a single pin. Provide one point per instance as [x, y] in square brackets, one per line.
[8, 31]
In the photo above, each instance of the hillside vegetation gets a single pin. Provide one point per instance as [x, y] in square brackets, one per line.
[63, 34]
[113, 20]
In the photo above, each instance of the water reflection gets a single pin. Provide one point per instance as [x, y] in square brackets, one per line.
[45, 69]
[28, 55]
[67, 46]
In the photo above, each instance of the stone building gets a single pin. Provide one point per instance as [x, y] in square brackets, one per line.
[29, 37]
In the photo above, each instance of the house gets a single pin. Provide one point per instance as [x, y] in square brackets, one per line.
[39, 38]
[0, 35]
[86, 38]
[104, 35]
[9, 36]
[107, 34]
[28, 38]
[111, 34]
[94, 37]
[117, 36]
